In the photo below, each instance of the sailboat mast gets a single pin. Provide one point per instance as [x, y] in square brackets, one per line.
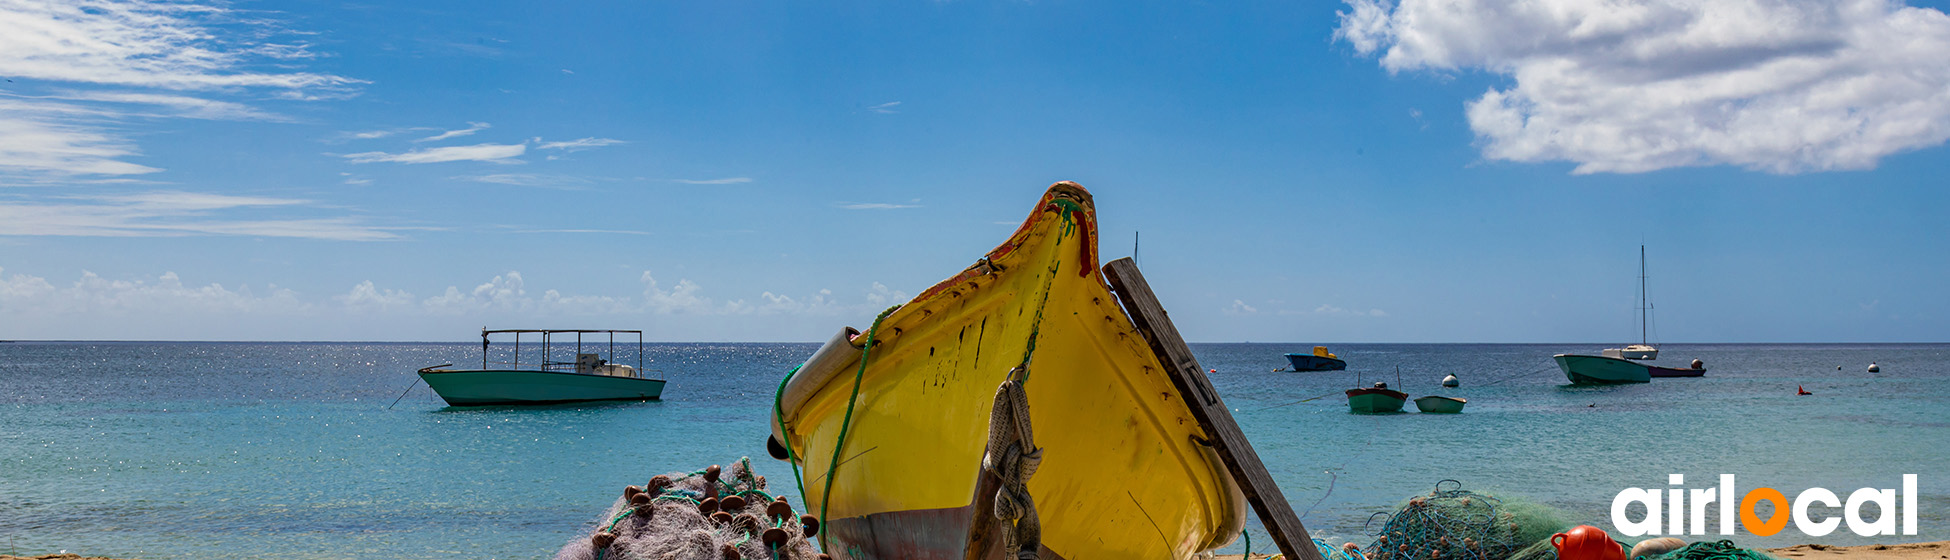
[1643, 303]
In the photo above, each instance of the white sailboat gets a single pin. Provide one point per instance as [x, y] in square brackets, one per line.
[1644, 350]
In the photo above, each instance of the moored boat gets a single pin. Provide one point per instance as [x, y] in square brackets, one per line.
[890, 424]
[1600, 370]
[1644, 350]
[1376, 399]
[1320, 360]
[1657, 371]
[591, 377]
[1442, 405]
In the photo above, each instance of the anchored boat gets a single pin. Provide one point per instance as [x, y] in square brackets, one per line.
[1320, 360]
[1376, 399]
[1644, 350]
[1444, 405]
[891, 425]
[1600, 370]
[591, 377]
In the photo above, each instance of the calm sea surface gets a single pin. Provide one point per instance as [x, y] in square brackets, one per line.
[245, 450]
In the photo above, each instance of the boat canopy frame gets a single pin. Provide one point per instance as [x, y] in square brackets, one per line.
[547, 334]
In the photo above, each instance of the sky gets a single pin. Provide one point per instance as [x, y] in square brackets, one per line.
[1306, 172]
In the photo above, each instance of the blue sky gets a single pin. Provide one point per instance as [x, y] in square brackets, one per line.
[1411, 171]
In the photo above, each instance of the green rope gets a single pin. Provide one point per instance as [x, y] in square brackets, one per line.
[778, 414]
[1249, 544]
[839, 443]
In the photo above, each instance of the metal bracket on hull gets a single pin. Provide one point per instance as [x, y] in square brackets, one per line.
[1210, 411]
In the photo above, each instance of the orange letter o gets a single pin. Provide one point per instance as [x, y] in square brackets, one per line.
[1774, 523]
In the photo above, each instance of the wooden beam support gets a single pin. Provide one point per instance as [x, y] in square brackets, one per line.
[1210, 411]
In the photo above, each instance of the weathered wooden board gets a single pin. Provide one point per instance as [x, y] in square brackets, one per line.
[1230, 443]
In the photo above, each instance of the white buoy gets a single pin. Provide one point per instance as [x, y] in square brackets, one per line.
[1873, 368]
[1451, 381]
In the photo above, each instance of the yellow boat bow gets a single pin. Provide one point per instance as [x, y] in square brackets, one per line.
[1123, 473]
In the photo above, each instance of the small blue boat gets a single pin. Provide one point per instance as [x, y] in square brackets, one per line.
[1320, 360]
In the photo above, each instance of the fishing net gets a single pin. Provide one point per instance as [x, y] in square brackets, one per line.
[711, 514]
[1717, 550]
[1455, 524]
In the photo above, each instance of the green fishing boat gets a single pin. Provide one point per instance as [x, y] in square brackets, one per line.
[1440, 405]
[1375, 400]
[590, 377]
[1600, 370]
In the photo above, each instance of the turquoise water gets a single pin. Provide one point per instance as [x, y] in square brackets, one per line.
[243, 450]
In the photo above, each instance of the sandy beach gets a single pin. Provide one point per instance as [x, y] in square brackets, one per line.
[1938, 550]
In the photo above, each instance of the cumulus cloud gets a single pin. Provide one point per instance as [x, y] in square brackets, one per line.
[1626, 87]
[23, 294]
[1239, 307]
[497, 153]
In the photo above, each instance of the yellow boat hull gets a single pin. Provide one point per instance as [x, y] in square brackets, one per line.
[1122, 474]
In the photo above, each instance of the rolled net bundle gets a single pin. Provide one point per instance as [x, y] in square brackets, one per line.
[1711, 550]
[1455, 524]
[711, 514]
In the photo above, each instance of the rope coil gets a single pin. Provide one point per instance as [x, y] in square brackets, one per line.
[1013, 457]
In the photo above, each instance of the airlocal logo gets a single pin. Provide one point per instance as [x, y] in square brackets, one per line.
[1674, 507]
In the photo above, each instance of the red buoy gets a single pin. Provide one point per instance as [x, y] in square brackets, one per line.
[1800, 391]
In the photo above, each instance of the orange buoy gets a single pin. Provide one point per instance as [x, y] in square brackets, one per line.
[1585, 542]
[1800, 391]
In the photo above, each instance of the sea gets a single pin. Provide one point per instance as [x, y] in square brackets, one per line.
[335, 450]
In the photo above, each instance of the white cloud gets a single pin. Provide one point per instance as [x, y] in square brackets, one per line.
[1625, 87]
[179, 105]
[723, 181]
[577, 145]
[526, 180]
[365, 296]
[164, 295]
[1239, 307]
[173, 213]
[51, 139]
[875, 206]
[142, 43]
[472, 127]
[885, 108]
[498, 153]
[1330, 309]
[131, 44]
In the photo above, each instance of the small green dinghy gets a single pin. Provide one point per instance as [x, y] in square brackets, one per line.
[1440, 405]
[1375, 400]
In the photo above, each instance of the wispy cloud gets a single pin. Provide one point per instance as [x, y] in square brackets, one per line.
[723, 181]
[526, 180]
[875, 206]
[886, 108]
[472, 127]
[145, 43]
[498, 153]
[181, 106]
[133, 44]
[172, 214]
[576, 145]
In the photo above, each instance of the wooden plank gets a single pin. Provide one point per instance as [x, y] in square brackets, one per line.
[1210, 411]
